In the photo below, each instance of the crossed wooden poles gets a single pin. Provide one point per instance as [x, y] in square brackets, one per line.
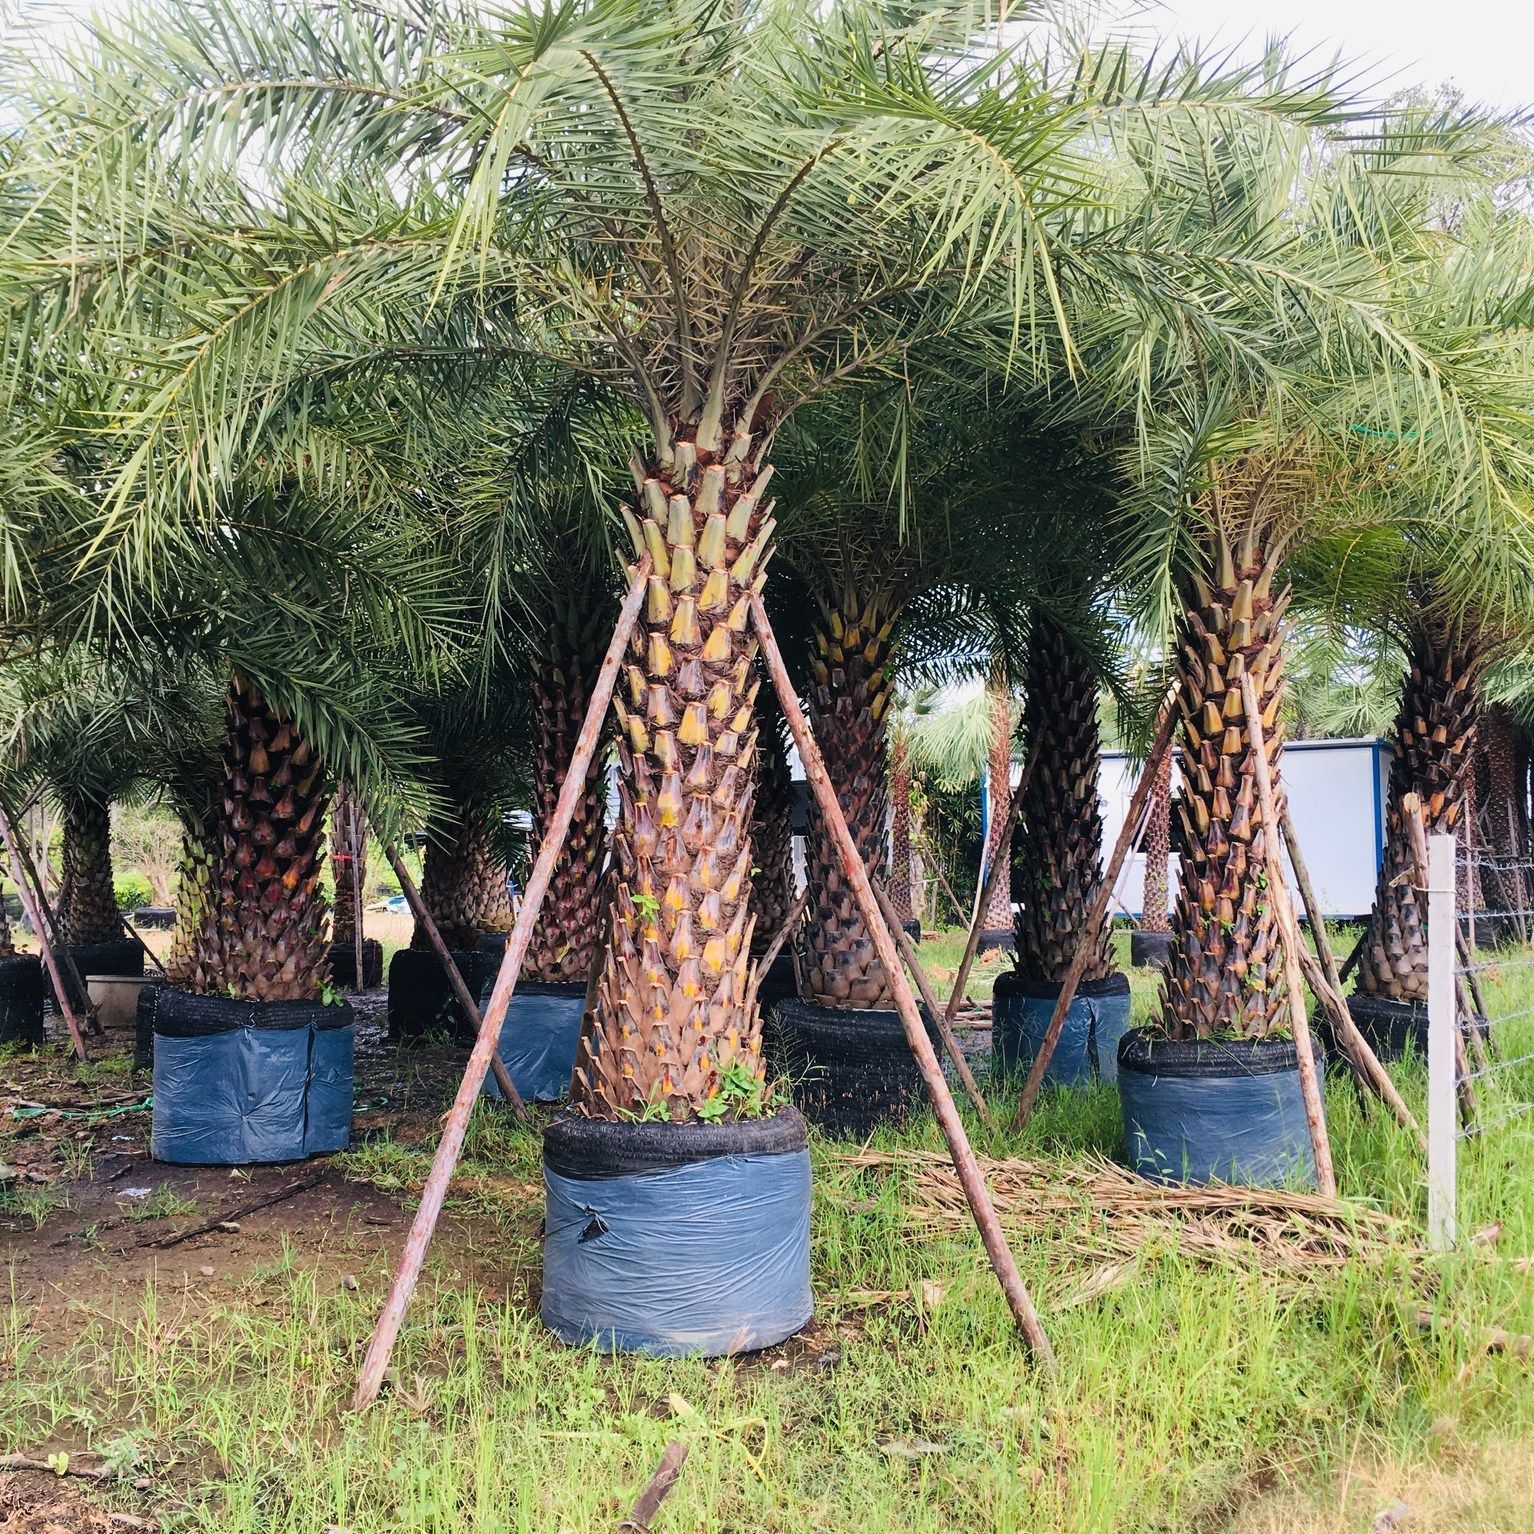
[455, 1126]
[878, 915]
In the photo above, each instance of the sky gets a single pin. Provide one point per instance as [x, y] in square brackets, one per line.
[1485, 47]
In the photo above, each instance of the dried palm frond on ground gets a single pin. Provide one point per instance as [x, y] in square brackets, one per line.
[1097, 1210]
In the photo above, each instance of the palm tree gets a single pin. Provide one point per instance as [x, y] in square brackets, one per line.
[833, 183]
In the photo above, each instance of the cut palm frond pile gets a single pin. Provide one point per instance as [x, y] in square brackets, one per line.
[1100, 1211]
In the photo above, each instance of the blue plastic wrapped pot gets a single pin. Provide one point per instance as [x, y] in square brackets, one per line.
[1214, 1110]
[21, 999]
[538, 1039]
[1087, 1048]
[240, 1083]
[677, 1239]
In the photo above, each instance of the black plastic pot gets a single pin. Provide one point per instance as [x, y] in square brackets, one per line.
[1150, 950]
[1214, 1110]
[995, 937]
[422, 1003]
[912, 928]
[1392, 1028]
[343, 964]
[850, 1072]
[677, 1239]
[778, 983]
[161, 916]
[21, 999]
[1087, 1048]
[242, 1083]
[493, 946]
[538, 1039]
[123, 957]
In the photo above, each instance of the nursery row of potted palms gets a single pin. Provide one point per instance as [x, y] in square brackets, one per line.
[344, 348]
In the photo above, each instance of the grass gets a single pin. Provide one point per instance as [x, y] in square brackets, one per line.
[1188, 1399]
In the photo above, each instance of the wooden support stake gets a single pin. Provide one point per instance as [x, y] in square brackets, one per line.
[1129, 836]
[454, 979]
[852, 870]
[1322, 976]
[977, 924]
[457, 1122]
[138, 937]
[784, 932]
[32, 903]
[1293, 943]
[930, 1002]
[359, 946]
[656, 1492]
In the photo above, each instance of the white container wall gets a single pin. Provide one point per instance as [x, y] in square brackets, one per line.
[1336, 794]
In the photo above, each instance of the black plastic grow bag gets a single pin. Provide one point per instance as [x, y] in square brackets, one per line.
[343, 964]
[778, 982]
[1150, 950]
[849, 1071]
[422, 1003]
[238, 1083]
[21, 999]
[995, 937]
[677, 1239]
[538, 1039]
[1214, 1110]
[1089, 1037]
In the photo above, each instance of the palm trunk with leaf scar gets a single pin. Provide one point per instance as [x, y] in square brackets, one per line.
[850, 696]
[772, 837]
[1225, 975]
[1061, 825]
[564, 940]
[87, 904]
[902, 896]
[463, 885]
[262, 934]
[200, 839]
[1157, 843]
[1433, 740]
[671, 1030]
[343, 915]
[997, 916]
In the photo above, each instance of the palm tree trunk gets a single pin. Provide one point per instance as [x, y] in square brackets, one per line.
[1060, 822]
[772, 836]
[1503, 817]
[1157, 845]
[564, 940]
[463, 885]
[671, 1019]
[997, 916]
[7, 942]
[262, 936]
[901, 871]
[200, 839]
[849, 701]
[1433, 740]
[87, 904]
[1225, 975]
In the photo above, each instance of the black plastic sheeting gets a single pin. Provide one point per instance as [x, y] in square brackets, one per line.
[778, 983]
[241, 1083]
[343, 964]
[1088, 1045]
[704, 1249]
[21, 999]
[1213, 1110]
[848, 1071]
[538, 1039]
[422, 1003]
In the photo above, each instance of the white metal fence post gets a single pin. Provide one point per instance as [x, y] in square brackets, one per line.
[1442, 1107]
